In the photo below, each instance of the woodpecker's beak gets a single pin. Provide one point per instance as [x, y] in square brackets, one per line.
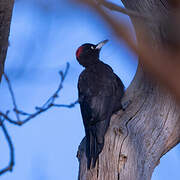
[101, 44]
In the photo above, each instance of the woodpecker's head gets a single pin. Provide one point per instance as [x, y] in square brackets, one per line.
[88, 54]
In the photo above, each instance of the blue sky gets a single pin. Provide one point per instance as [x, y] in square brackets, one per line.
[44, 36]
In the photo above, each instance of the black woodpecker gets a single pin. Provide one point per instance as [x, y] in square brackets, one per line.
[100, 93]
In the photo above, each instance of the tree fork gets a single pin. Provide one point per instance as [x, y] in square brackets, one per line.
[150, 126]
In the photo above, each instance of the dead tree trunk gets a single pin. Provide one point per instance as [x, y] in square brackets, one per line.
[6, 8]
[138, 138]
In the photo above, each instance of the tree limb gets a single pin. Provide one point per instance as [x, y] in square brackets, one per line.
[46, 106]
[11, 148]
[6, 8]
[150, 126]
[28, 116]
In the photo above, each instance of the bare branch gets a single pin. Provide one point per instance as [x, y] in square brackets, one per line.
[67, 105]
[11, 148]
[46, 106]
[12, 95]
[55, 94]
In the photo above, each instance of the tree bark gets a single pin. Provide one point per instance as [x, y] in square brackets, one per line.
[150, 126]
[6, 8]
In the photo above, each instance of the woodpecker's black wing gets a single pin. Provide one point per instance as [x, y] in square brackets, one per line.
[100, 92]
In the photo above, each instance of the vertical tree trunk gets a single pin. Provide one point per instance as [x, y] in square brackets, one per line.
[6, 8]
[150, 126]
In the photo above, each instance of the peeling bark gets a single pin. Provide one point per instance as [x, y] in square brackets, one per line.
[150, 126]
[6, 8]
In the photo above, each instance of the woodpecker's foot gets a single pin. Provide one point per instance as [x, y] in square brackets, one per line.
[126, 104]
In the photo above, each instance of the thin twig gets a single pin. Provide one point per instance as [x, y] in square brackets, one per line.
[55, 94]
[12, 95]
[33, 115]
[67, 105]
[47, 105]
[11, 148]
[22, 113]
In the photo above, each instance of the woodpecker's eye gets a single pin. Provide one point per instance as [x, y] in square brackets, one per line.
[92, 47]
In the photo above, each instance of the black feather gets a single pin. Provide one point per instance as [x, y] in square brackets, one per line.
[100, 94]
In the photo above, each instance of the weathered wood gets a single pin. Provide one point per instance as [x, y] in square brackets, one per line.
[150, 126]
[6, 8]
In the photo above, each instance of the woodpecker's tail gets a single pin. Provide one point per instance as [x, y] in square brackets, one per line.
[94, 145]
[93, 148]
